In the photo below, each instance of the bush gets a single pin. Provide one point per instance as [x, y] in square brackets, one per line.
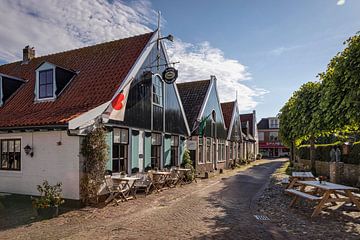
[95, 151]
[303, 152]
[187, 163]
[322, 152]
[50, 196]
[258, 156]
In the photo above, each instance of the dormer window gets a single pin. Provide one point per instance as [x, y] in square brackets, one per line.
[51, 80]
[8, 86]
[46, 84]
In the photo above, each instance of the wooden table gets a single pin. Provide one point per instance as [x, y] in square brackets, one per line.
[299, 176]
[127, 182]
[329, 194]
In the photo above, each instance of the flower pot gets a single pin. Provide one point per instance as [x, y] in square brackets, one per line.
[47, 213]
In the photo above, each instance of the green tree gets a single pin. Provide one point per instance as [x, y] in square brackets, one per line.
[341, 85]
[300, 117]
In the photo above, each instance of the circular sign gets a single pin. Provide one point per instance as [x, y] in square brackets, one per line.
[170, 75]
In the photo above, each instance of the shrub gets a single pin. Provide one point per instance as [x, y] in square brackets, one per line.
[258, 156]
[50, 196]
[95, 151]
[187, 163]
[322, 152]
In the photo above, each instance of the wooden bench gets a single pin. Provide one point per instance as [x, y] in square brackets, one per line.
[302, 195]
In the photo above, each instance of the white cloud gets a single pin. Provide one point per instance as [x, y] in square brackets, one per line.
[340, 2]
[199, 61]
[55, 26]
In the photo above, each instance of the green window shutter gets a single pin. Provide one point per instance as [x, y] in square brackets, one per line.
[147, 150]
[135, 149]
[182, 149]
[109, 142]
[167, 150]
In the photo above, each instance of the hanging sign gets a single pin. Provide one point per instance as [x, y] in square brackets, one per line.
[170, 75]
[191, 145]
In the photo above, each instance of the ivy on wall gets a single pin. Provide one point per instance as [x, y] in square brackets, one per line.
[95, 151]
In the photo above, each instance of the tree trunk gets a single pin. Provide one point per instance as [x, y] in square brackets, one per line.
[292, 153]
[312, 155]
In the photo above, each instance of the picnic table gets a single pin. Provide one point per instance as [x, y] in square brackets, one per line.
[299, 176]
[126, 182]
[324, 192]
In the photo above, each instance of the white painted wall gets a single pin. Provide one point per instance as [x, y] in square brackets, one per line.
[53, 162]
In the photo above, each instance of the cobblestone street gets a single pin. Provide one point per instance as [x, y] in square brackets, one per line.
[217, 208]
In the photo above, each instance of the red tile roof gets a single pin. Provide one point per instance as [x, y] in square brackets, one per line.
[101, 69]
[227, 109]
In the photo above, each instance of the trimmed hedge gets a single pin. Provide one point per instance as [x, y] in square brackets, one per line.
[322, 153]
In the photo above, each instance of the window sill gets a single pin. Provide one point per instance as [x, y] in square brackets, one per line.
[10, 173]
[39, 100]
[222, 161]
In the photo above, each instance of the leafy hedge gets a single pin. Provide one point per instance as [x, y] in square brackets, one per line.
[322, 153]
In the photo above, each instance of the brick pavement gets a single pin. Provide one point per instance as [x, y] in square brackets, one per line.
[216, 208]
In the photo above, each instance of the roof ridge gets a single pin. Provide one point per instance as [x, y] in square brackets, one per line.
[84, 47]
[193, 81]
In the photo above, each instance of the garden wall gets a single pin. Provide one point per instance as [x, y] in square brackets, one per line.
[348, 173]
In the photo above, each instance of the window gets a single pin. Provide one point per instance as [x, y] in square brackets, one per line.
[274, 123]
[273, 136]
[10, 154]
[221, 152]
[174, 150]
[201, 149]
[208, 149]
[46, 84]
[158, 91]
[156, 140]
[120, 150]
[261, 136]
[231, 150]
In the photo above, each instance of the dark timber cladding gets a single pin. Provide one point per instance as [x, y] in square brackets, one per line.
[141, 113]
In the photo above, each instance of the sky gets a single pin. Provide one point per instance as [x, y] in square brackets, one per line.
[259, 50]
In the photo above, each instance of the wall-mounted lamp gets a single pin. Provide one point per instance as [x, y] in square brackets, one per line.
[28, 150]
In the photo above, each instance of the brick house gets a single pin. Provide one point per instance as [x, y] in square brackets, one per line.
[269, 141]
[48, 104]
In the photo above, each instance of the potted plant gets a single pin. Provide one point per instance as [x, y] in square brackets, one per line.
[47, 205]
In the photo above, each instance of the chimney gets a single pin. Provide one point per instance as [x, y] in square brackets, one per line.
[28, 54]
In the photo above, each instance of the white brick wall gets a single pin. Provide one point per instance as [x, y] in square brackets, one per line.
[51, 161]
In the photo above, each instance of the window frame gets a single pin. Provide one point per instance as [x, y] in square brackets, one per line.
[157, 79]
[174, 150]
[201, 151]
[46, 84]
[45, 67]
[14, 152]
[121, 143]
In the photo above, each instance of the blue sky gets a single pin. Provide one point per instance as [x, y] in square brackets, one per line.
[264, 49]
[283, 43]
